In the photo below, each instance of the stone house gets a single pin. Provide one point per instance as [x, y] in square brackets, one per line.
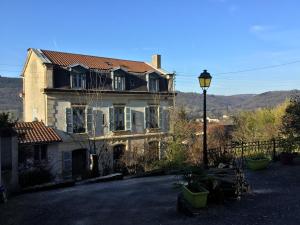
[37, 146]
[102, 108]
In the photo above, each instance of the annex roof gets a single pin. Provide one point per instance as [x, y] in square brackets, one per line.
[35, 133]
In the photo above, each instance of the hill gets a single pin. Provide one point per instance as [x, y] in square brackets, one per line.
[9, 92]
[217, 105]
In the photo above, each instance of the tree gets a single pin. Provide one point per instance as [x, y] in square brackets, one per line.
[261, 124]
[6, 124]
[291, 119]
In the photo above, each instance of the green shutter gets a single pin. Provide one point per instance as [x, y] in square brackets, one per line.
[147, 80]
[147, 118]
[111, 119]
[127, 118]
[69, 120]
[89, 120]
[98, 123]
[166, 121]
[160, 117]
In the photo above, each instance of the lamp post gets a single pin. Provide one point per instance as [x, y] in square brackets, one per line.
[204, 81]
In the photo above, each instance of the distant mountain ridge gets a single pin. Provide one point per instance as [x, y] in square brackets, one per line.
[217, 105]
[10, 88]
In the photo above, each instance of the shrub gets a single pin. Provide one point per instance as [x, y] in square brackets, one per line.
[35, 176]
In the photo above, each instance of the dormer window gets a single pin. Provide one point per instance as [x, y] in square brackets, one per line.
[153, 84]
[78, 80]
[119, 83]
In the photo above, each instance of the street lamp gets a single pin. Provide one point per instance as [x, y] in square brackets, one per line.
[204, 81]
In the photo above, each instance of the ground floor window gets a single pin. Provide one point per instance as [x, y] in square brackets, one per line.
[30, 155]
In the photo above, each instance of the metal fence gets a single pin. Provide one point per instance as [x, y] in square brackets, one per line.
[241, 150]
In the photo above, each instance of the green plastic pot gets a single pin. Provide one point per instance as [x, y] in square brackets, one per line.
[196, 199]
[258, 164]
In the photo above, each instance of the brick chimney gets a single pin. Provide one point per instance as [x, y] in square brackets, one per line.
[156, 61]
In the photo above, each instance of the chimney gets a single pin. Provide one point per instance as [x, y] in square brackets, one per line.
[156, 61]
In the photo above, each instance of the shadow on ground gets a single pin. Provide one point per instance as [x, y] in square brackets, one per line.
[274, 199]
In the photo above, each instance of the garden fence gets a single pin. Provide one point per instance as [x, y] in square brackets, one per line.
[241, 150]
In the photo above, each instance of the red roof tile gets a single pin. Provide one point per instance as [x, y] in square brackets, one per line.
[95, 62]
[35, 133]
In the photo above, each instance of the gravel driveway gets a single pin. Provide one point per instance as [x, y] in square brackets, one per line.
[152, 200]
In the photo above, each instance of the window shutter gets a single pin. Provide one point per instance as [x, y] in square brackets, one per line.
[111, 119]
[67, 163]
[123, 83]
[69, 120]
[112, 80]
[89, 120]
[157, 81]
[98, 116]
[160, 117]
[147, 118]
[166, 120]
[147, 80]
[127, 118]
[83, 80]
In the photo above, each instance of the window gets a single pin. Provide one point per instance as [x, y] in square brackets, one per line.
[153, 85]
[133, 118]
[119, 118]
[119, 83]
[132, 84]
[78, 80]
[153, 117]
[103, 119]
[40, 153]
[78, 119]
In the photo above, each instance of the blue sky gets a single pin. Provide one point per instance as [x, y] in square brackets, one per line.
[218, 35]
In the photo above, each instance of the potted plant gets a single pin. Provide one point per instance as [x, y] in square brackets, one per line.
[194, 192]
[257, 162]
[287, 156]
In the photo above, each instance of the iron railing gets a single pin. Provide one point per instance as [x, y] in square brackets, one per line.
[241, 150]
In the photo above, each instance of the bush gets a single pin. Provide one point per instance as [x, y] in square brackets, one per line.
[35, 176]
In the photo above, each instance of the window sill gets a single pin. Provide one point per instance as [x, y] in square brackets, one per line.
[152, 130]
[121, 132]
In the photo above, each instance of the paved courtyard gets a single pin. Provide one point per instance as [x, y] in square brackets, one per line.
[152, 200]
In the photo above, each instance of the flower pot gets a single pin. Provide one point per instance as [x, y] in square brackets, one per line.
[258, 164]
[3, 197]
[196, 199]
[286, 158]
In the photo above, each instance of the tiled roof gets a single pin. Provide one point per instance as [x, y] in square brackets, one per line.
[95, 62]
[35, 133]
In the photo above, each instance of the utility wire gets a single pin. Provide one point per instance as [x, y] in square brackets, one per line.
[248, 70]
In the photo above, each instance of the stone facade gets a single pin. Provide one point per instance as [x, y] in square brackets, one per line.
[54, 104]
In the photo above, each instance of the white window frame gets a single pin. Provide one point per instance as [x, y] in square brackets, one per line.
[119, 83]
[80, 80]
[153, 84]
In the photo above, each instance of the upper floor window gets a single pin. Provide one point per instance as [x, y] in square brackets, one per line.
[79, 118]
[78, 80]
[119, 118]
[153, 117]
[153, 85]
[119, 83]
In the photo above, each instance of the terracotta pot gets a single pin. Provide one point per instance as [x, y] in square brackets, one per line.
[286, 158]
